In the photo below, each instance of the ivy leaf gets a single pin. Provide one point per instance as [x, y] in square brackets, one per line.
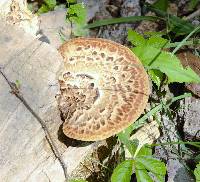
[153, 165]
[141, 173]
[135, 38]
[77, 14]
[166, 63]
[123, 172]
[197, 172]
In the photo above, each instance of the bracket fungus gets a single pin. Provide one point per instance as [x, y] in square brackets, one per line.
[103, 89]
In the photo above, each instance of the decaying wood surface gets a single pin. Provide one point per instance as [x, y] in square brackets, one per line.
[34, 66]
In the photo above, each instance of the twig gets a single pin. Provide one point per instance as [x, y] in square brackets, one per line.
[15, 90]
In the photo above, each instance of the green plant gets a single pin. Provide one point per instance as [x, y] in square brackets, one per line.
[197, 172]
[161, 5]
[174, 23]
[162, 66]
[48, 5]
[158, 61]
[71, 1]
[193, 4]
[143, 164]
[77, 16]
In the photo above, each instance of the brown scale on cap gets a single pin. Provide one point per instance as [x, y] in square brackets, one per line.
[103, 89]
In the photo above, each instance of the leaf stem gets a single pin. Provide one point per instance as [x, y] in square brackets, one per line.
[184, 40]
[190, 42]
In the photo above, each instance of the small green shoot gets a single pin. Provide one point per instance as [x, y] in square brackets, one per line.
[77, 15]
[18, 84]
[48, 5]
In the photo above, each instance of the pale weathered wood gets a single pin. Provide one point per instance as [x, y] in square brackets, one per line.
[17, 12]
[24, 152]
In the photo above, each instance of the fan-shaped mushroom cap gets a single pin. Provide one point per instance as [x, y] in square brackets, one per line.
[104, 88]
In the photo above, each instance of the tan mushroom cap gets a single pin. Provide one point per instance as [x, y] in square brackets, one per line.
[103, 89]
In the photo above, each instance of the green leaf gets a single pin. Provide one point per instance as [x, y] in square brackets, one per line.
[138, 40]
[193, 4]
[178, 25]
[141, 173]
[43, 9]
[156, 76]
[71, 1]
[77, 14]
[153, 33]
[166, 63]
[160, 178]
[197, 158]
[141, 121]
[50, 3]
[156, 41]
[144, 163]
[129, 19]
[197, 173]
[77, 180]
[123, 172]
[161, 5]
[153, 165]
[135, 38]
[124, 138]
[185, 39]
[145, 151]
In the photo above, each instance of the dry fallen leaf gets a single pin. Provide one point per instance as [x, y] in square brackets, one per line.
[189, 59]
